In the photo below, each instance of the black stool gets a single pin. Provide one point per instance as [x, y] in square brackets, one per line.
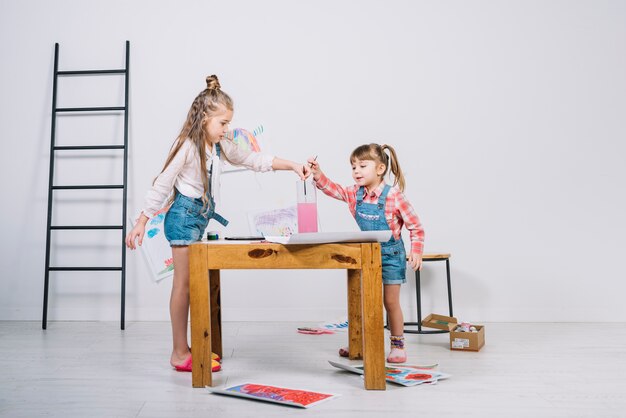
[429, 257]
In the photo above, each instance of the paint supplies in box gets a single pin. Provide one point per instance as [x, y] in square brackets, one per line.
[467, 341]
[463, 336]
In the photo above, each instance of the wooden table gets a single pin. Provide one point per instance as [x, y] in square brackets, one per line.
[365, 315]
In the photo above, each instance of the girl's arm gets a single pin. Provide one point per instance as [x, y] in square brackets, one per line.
[300, 169]
[414, 226]
[260, 161]
[255, 161]
[156, 196]
[137, 232]
[330, 188]
[164, 183]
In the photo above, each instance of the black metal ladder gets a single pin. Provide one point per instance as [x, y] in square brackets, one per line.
[51, 187]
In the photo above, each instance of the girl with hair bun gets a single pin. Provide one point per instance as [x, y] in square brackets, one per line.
[189, 182]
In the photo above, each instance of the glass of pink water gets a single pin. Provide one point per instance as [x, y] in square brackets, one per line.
[307, 206]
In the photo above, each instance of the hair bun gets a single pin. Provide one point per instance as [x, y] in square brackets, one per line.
[212, 83]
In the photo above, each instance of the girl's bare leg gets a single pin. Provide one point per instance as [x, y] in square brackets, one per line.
[397, 354]
[393, 308]
[179, 305]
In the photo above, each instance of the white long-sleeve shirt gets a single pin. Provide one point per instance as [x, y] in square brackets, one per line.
[183, 172]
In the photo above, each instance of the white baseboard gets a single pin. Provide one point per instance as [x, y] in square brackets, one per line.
[468, 314]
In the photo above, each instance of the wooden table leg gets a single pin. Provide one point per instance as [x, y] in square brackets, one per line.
[216, 312]
[200, 316]
[355, 320]
[373, 335]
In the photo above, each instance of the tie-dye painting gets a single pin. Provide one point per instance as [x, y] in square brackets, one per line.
[247, 140]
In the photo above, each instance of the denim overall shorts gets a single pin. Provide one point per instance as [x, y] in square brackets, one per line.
[186, 219]
[371, 217]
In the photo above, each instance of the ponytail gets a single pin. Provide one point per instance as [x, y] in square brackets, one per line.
[394, 165]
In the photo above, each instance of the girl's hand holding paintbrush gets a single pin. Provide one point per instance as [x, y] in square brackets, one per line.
[315, 168]
[303, 171]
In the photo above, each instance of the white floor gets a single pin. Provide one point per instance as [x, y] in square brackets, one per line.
[92, 369]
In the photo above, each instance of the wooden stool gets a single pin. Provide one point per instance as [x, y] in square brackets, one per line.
[428, 258]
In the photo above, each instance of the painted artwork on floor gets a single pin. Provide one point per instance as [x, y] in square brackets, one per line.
[401, 375]
[284, 396]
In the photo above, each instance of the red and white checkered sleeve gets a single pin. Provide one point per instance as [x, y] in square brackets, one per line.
[335, 190]
[411, 222]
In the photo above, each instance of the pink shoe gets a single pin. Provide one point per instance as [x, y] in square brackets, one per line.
[186, 366]
[397, 355]
[213, 357]
[344, 352]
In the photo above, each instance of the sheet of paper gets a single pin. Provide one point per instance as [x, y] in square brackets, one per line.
[401, 375]
[328, 237]
[273, 222]
[284, 396]
[156, 249]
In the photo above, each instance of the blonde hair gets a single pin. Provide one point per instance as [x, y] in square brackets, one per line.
[204, 105]
[376, 153]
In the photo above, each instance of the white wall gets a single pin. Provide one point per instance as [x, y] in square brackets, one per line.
[508, 118]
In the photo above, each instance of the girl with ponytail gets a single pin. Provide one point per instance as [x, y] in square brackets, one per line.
[379, 206]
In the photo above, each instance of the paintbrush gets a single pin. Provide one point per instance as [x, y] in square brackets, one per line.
[303, 172]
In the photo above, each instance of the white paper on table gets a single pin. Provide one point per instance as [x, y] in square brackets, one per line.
[328, 237]
[273, 222]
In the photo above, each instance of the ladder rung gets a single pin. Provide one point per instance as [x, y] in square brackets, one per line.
[83, 147]
[91, 72]
[86, 227]
[85, 268]
[93, 187]
[90, 109]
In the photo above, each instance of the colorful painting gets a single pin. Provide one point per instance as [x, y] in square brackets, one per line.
[246, 139]
[156, 249]
[401, 375]
[273, 222]
[284, 396]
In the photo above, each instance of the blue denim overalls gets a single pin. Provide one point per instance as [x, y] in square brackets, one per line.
[186, 220]
[371, 217]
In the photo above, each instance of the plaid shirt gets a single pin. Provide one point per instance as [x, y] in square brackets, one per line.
[398, 210]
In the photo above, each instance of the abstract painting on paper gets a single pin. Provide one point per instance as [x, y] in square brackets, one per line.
[401, 375]
[284, 396]
[273, 222]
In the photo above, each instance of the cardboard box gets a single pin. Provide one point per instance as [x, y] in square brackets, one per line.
[446, 323]
[460, 341]
[468, 341]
